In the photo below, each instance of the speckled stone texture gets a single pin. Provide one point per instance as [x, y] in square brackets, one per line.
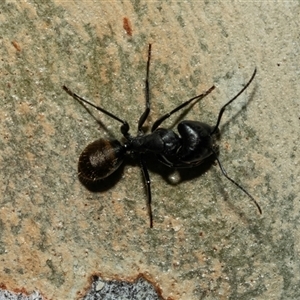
[208, 240]
[114, 289]
[7, 295]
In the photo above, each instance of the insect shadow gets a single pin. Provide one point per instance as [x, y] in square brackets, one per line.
[195, 144]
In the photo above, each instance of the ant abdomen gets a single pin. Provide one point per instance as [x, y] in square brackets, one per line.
[100, 159]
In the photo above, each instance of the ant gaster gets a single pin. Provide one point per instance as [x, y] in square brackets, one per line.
[196, 142]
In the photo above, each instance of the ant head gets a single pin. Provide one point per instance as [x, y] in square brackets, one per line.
[100, 159]
[216, 128]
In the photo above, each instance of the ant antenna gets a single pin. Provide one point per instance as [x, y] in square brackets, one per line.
[223, 108]
[234, 182]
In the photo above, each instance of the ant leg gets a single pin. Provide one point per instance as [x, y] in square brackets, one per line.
[148, 185]
[145, 114]
[223, 108]
[166, 116]
[125, 125]
[239, 186]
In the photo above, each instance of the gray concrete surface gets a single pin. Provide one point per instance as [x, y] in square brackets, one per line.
[208, 240]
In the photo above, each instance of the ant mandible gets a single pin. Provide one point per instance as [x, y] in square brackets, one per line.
[196, 142]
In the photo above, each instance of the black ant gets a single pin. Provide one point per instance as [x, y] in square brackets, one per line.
[195, 143]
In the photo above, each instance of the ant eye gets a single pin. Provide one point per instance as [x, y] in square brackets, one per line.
[99, 159]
